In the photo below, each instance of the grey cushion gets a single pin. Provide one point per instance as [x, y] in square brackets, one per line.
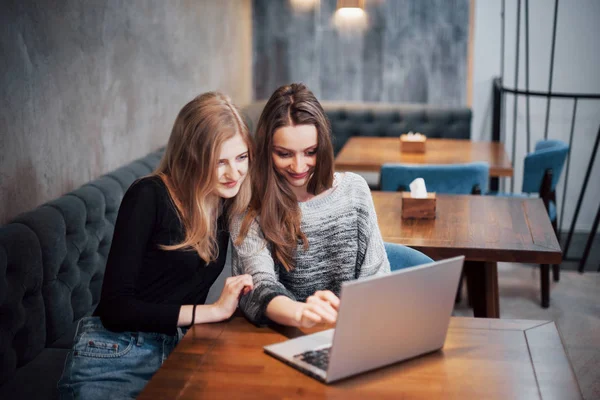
[66, 340]
[113, 193]
[128, 174]
[52, 262]
[38, 379]
[22, 319]
[75, 233]
[75, 243]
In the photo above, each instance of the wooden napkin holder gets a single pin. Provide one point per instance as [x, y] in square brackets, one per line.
[418, 208]
[412, 146]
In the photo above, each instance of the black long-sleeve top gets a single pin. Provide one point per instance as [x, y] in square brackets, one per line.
[144, 286]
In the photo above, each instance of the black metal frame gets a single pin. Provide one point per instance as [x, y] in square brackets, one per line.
[499, 92]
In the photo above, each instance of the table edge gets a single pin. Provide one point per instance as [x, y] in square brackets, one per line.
[537, 365]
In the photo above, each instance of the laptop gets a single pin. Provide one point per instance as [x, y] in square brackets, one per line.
[381, 320]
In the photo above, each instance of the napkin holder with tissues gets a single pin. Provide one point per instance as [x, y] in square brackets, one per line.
[418, 204]
[412, 142]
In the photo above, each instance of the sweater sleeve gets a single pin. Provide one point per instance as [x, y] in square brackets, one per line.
[120, 310]
[253, 257]
[375, 261]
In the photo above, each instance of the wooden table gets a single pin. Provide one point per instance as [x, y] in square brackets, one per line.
[481, 359]
[370, 153]
[486, 230]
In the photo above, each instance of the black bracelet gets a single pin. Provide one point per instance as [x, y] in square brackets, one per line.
[193, 315]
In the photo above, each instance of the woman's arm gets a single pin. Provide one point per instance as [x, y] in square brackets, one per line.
[253, 257]
[270, 300]
[223, 308]
[119, 307]
[319, 308]
[375, 261]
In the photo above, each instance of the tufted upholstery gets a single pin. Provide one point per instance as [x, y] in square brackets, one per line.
[22, 319]
[379, 119]
[52, 262]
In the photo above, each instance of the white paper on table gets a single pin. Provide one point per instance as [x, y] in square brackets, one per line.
[414, 137]
[418, 190]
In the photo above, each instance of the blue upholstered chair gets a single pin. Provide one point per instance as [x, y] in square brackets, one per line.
[541, 173]
[471, 178]
[401, 257]
[542, 170]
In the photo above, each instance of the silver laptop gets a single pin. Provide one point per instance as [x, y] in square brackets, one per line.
[381, 320]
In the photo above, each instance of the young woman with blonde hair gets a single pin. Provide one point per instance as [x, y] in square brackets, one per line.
[308, 229]
[169, 247]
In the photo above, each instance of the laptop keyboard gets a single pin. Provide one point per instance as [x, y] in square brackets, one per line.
[318, 358]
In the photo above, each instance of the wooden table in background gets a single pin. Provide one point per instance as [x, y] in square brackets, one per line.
[485, 229]
[481, 359]
[362, 153]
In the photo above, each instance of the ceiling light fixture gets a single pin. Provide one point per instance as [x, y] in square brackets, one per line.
[351, 7]
[350, 15]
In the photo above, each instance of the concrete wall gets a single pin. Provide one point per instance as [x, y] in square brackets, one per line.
[87, 86]
[576, 63]
[409, 51]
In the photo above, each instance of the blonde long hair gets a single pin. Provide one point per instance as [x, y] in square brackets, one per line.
[189, 170]
[273, 202]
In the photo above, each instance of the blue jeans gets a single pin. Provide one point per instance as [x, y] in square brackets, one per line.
[112, 365]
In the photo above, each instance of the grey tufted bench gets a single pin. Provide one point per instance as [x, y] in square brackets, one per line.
[52, 262]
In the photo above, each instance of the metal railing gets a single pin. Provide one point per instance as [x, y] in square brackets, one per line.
[498, 127]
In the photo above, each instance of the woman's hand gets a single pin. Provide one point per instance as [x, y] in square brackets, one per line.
[321, 307]
[235, 287]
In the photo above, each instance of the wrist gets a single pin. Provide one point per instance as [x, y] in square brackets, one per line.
[219, 313]
[298, 310]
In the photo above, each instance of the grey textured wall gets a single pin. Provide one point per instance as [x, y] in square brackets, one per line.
[412, 51]
[87, 86]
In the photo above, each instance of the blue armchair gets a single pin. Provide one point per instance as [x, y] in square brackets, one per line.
[541, 173]
[471, 178]
[542, 170]
[401, 257]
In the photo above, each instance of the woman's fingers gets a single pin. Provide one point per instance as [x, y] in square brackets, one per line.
[326, 311]
[238, 287]
[329, 297]
[323, 310]
[247, 279]
[309, 318]
[231, 293]
[232, 283]
[325, 306]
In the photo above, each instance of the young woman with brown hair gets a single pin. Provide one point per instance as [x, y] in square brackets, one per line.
[307, 229]
[169, 247]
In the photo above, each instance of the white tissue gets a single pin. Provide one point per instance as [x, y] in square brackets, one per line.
[413, 137]
[418, 189]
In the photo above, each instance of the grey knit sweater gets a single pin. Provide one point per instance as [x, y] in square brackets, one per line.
[344, 244]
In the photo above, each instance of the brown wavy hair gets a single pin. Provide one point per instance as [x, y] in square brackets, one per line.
[273, 203]
[189, 170]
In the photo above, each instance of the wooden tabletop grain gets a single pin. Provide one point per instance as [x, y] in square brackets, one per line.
[362, 153]
[491, 359]
[482, 228]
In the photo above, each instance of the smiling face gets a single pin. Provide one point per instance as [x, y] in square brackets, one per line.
[295, 155]
[232, 166]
